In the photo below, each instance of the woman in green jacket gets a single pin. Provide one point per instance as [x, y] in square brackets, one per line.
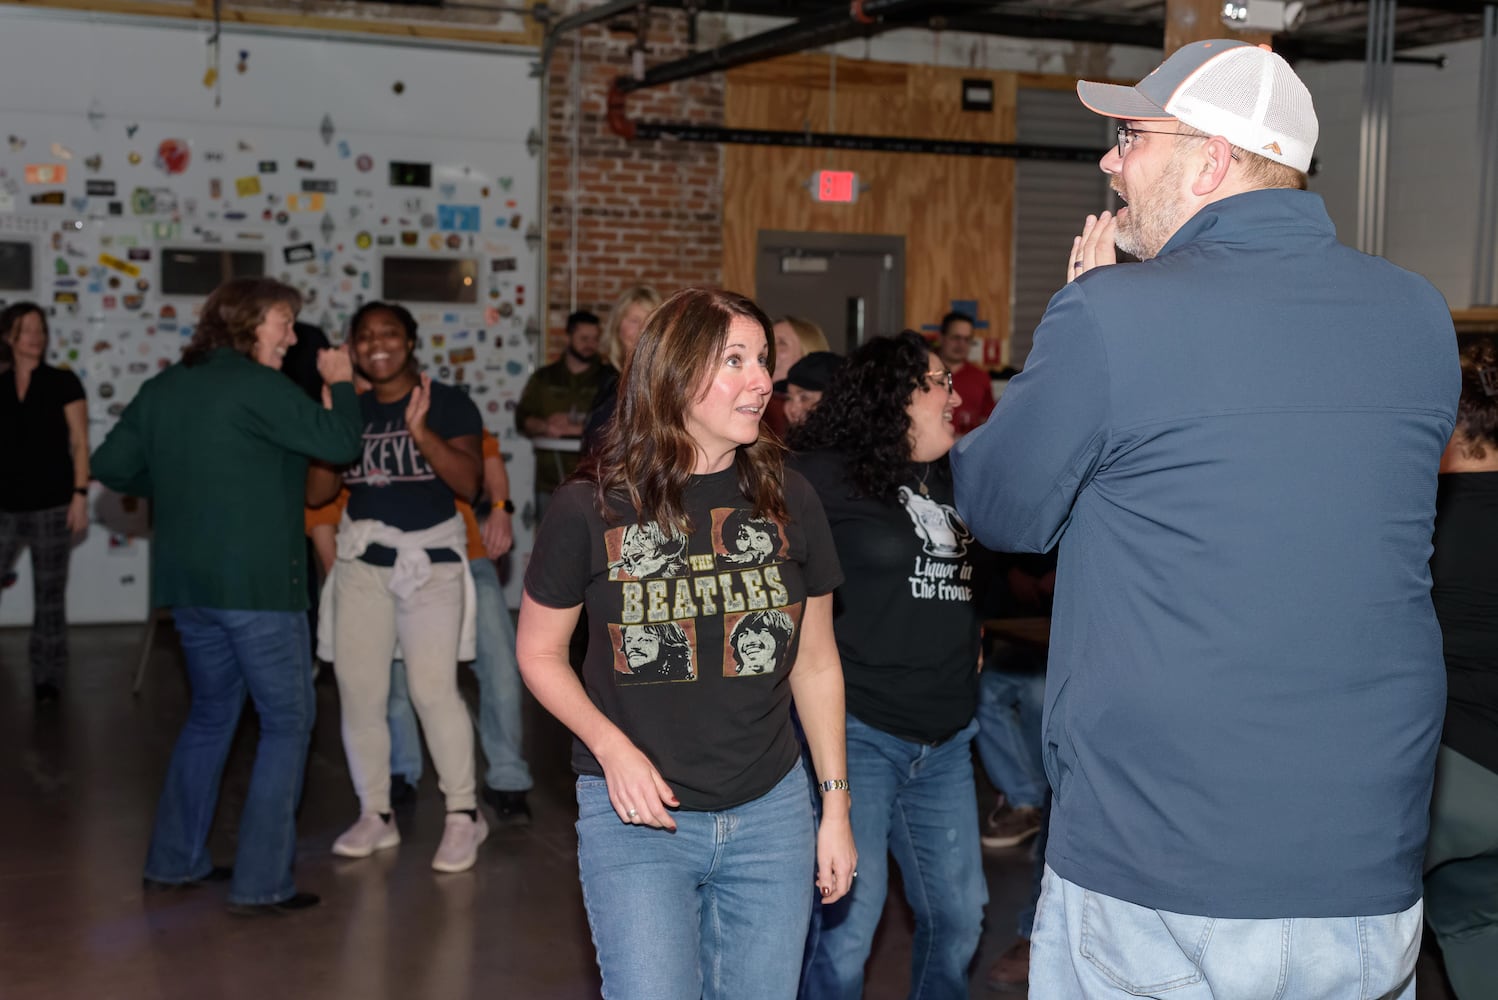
[219, 444]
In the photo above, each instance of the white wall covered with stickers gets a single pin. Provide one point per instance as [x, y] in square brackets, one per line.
[116, 144]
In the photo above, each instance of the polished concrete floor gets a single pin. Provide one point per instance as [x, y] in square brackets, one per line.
[78, 782]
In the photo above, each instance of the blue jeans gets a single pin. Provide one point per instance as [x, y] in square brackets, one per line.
[500, 690]
[916, 802]
[1011, 696]
[715, 911]
[268, 654]
[1088, 946]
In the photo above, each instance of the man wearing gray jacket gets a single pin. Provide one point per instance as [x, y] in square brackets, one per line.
[1234, 441]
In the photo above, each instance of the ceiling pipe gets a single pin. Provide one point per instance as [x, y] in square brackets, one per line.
[861, 18]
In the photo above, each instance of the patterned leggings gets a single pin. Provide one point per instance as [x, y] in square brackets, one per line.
[46, 533]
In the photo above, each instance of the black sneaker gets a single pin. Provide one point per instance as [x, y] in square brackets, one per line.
[301, 901]
[510, 808]
[402, 792]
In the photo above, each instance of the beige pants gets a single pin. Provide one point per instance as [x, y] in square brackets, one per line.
[367, 620]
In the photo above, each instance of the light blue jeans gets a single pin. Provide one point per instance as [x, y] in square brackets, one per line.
[500, 689]
[267, 654]
[715, 911]
[1011, 698]
[917, 802]
[1087, 946]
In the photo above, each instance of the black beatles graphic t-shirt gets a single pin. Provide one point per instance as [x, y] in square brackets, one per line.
[691, 638]
[907, 619]
[393, 482]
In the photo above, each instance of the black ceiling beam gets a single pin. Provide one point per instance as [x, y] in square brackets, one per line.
[859, 19]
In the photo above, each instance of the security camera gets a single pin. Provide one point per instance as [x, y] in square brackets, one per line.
[1263, 15]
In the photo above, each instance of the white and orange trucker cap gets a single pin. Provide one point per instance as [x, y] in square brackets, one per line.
[1244, 93]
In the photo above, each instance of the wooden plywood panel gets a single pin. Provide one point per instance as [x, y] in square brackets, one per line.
[955, 212]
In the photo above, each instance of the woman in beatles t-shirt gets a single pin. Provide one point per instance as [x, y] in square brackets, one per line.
[875, 450]
[421, 451]
[697, 645]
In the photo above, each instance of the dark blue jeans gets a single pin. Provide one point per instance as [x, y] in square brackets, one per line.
[917, 802]
[229, 653]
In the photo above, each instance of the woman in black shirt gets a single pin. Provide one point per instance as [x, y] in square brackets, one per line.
[1461, 860]
[44, 489]
[907, 627]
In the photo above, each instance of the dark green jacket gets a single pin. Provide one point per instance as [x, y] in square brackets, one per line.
[221, 450]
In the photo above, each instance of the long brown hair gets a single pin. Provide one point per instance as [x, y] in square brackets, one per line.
[232, 313]
[646, 455]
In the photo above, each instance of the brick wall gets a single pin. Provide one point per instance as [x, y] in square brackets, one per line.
[642, 212]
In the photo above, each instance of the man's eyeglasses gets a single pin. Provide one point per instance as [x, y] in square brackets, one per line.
[940, 380]
[1126, 134]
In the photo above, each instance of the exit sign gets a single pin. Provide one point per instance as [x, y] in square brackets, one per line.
[835, 186]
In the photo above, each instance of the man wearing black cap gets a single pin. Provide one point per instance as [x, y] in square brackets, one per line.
[805, 383]
[1235, 442]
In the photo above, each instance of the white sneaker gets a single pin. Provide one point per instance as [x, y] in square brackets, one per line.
[460, 843]
[369, 834]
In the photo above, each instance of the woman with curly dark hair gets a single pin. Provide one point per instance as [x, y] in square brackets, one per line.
[1461, 857]
[677, 909]
[907, 626]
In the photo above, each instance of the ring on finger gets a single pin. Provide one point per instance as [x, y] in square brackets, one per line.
[1077, 263]
[633, 814]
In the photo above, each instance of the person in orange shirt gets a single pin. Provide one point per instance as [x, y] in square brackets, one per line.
[508, 777]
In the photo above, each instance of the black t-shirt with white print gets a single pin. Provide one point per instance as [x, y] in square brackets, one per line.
[907, 617]
[691, 639]
[393, 482]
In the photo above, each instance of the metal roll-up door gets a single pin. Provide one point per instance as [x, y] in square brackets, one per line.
[1051, 201]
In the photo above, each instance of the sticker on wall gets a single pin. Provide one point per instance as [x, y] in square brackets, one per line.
[298, 253]
[46, 173]
[505, 182]
[243, 65]
[463, 218]
[215, 188]
[247, 187]
[455, 242]
[319, 185]
[499, 264]
[133, 158]
[94, 163]
[461, 355]
[434, 241]
[326, 129]
[17, 143]
[172, 156]
[363, 241]
[124, 267]
[344, 152]
[142, 201]
[305, 164]
[364, 162]
[328, 226]
[409, 238]
[143, 253]
[50, 198]
[99, 189]
[266, 166]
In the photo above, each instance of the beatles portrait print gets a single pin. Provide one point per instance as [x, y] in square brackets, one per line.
[679, 609]
[759, 642]
[653, 653]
